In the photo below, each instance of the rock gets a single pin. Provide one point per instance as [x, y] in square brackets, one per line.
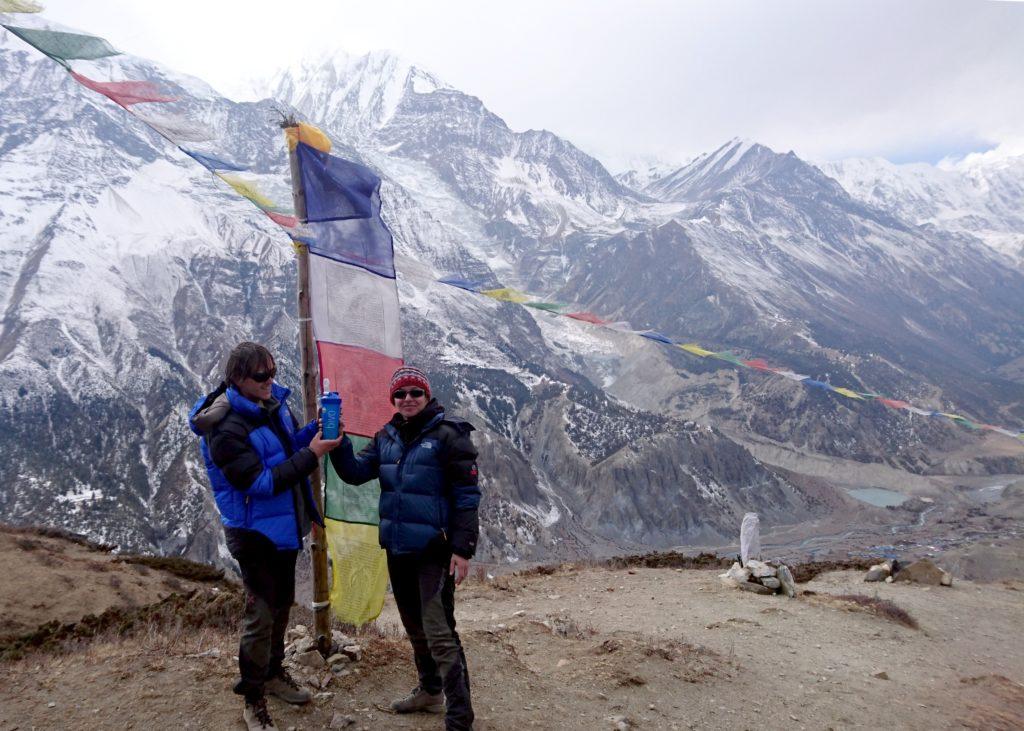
[734, 575]
[785, 576]
[563, 662]
[877, 573]
[342, 721]
[921, 572]
[760, 569]
[947, 579]
[304, 644]
[772, 583]
[301, 629]
[340, 638]
[756, 588]
[354, 652]
[888, 579]
[310, 659]
[323, 697]
[881, 675]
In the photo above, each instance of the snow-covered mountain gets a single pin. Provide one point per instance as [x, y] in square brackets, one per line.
[980, 195]
[126, 272]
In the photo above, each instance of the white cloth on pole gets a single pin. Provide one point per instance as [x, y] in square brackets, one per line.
[750, 538]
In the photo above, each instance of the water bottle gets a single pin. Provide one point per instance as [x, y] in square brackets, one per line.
[330, 412]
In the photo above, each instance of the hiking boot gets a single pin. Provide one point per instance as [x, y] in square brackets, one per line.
[284, 687]
[256, 715]
[419, 700]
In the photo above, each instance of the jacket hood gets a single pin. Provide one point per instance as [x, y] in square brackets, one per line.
[209, 410]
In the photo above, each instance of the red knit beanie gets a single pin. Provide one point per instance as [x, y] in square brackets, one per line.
[408, 376]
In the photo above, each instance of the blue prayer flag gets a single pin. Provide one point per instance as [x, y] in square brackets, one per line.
[335, 189]
[657, 336]
[212, 163]
[816, 384]
[465, 284]
[361, 242]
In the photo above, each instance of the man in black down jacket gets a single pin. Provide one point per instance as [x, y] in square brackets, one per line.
[426, 463]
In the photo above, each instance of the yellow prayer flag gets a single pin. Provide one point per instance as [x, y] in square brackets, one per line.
[848, 393]
[308, 135]
[360, 571]
[696, 350]
[505, 294]
[247, 190]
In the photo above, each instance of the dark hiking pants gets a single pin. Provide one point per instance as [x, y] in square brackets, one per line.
[269, 578]
[425, 595]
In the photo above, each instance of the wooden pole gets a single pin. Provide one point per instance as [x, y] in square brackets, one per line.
[310, 389]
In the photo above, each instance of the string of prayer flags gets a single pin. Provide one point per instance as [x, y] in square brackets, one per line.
[511, 295]
[307, 134]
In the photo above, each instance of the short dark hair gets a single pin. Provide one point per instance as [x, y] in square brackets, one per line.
[245, 359]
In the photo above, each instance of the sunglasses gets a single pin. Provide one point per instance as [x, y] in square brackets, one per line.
[402, 393]
[263, 376]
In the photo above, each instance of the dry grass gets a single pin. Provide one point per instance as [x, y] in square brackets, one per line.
[180, 567]
[804, 572]
[47, 532]
[881, 608]
[176, 614]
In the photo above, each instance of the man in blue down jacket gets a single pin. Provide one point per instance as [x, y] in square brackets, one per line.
[426, 463]
[258, 462]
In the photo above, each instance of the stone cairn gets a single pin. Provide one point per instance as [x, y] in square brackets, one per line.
[309, 666]
[760, 577]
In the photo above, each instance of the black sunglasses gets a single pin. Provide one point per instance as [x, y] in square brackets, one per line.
[414, 392]
[263, 376]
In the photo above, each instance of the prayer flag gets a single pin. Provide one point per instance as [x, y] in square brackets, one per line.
[211, 163]
[20, 6]
[696, 350]
[124, 93]
[547, 306]
[362, 377]
[308, 135]
[587, 317]
[506, 294]
[362, 242]
[466, 284]
[352, 306]
[656, 336]
[335, 189]
[360, 571]
[63, 47]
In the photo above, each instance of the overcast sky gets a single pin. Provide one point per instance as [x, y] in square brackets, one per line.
[906, 80]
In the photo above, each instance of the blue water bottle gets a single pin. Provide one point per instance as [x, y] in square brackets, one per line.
[330, 412]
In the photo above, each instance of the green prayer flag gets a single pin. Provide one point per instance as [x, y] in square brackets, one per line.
[549, 306]
[63, 47]
[351, 503]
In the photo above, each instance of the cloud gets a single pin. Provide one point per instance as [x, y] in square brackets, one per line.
[644, 77]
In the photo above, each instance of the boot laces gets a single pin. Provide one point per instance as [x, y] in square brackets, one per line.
[262, 714]
[288, 679]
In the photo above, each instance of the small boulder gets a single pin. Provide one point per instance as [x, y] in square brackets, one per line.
[734, 575]
[354, 652]
[340, 720]
[947, 579]
[772, 583]
[310, 659]
[304, 644]
[339, 659]
[785, 576]
[877, 573]
[760, 569]
[756, 588]
[921, 572]
[881, 675]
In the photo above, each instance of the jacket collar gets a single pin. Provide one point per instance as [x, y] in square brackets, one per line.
[250, 408]
[434, 413]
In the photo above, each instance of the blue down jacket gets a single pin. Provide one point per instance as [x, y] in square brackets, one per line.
[428, 481]
[258, 463]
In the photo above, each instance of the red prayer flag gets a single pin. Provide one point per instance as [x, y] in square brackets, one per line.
[124, 93]
[893, 403]
[758, 364]
[283, 220]
[587, 317]
[362, 377]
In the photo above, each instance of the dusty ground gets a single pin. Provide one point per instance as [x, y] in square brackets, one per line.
[52, 578]
[579, 647]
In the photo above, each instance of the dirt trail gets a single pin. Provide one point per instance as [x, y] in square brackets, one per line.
[581, 649]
